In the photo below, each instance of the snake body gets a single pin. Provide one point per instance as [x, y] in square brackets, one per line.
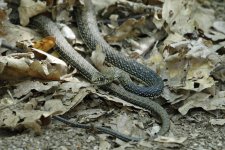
[91, 36]
[89, 32]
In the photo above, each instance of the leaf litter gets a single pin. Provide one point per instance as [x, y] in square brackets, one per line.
[187, 42]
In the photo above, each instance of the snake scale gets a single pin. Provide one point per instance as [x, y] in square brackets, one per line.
[89, 32]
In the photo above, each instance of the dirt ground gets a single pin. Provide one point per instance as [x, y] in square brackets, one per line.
[195, 127]
[190, 132]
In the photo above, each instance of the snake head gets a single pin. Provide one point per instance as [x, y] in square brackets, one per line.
[101, 80]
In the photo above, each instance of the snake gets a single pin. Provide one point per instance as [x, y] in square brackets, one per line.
[88, 29]
[90, 34]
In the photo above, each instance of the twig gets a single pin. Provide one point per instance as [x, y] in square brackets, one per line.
[20, 100]
[6, 45]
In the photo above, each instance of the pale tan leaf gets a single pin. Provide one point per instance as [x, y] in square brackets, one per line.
[28, 9]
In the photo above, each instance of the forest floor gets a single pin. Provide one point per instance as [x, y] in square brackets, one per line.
[196, 129]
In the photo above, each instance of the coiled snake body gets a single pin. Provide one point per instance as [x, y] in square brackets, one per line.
[89, 32]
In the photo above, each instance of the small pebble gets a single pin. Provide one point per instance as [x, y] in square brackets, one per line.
[90, 139]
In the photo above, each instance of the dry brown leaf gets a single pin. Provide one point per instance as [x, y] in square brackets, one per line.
[128, 29]
[219, 72]
[25, 87]
[188, 65]
[219, 26]
[90, 114]
[30, 105]
[23, 118]
[104, 145]
[28, 9]
[14, 33]
[15, 67]
[33, 115]
[173, 97]
[198, 76]
[155, 61]
[178, 140]
[55, 67]
[184, 16]
[56, 106]
[215, 35]
[220, 122]
[45, 44]
[124, 123]
[74, 85]
[75, 100]
[98, 57]
[204, 101]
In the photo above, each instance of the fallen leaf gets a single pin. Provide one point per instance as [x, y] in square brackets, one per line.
[28, 9]
[220, 122]
[219, 26]
[45, 44]
[219, 72]
[128, 29]
[89, 115]
[184, 16]
[204, 101]
[104, 145]
[25, 87]
[163, 139]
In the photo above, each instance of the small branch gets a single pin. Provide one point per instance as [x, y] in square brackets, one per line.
[20, 100]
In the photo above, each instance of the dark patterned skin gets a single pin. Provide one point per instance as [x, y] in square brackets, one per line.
[89, 31]
[91, 36]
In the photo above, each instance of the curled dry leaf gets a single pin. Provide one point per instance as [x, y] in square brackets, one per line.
[55, 106]
[142, 46]
[79, 96]
[25, 87]
[155, 61]
[28, 9]
[124, 123]
[187, 63]
[45, 44]
[56, 68]
[204, 101]
[98, 57]
[14, 33]
[33, 115]
[14, 67]
[184, 16]
[215, 35]
[17, 119]
[32, 104]
[219, 26]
